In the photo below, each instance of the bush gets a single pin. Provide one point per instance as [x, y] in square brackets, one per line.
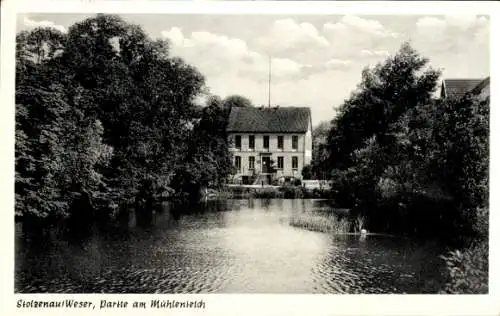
[307, 172]
[467, 270]
[292, 192]
[481, 224]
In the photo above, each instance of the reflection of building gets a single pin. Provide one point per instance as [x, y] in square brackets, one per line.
[458, 88]
[262, 138]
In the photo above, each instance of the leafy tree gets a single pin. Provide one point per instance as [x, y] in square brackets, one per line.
[459, 159]
[236, 101]
[208, 161]
[411, 163]
[39, 45]
[319, 167]
[145, 98]
[385, 93]
[55, 147]
[130, 107]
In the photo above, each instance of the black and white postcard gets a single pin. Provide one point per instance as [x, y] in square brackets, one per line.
[222, 157]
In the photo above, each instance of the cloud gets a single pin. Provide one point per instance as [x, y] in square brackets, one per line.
[287, 34]
[349, 23]
[32, 24]
[216, 45]
[315, 62]
[374, 53]
[429, 23]
[453, 42]
[318, 65]
[482, 35]
[441, 33]
[462, 22]
[431, 29]
[352, 34]
[439, 28]
[336, 63]
[216, 54]
[174, 35]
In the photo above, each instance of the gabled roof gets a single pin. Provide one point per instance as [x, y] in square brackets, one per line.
[480, 87]
[269, 120]
[457, 88]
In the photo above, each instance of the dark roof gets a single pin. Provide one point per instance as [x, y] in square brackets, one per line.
[269, 120]
[479, 88]
[457, 88]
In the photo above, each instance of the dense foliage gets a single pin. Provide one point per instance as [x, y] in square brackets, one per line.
[411, 163]
[208, 161]
[104, 111]
[319, 166]
[468, 270]
[414, 164]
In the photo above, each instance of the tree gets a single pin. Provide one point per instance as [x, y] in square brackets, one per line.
[208, 160]
[103, 103]
[386, 92]
[237, 101]
[368, 153]
[55, 147]
[412, 164]
[143, 97]
[39, 45]
[319, 167]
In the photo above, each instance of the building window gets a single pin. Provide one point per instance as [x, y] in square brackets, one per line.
[237, 141]
[295, 162]
[266, 142]
[251, 162]
[280, 162]
[295, 142]
[280, 142]
[251, 142]
[237, 162]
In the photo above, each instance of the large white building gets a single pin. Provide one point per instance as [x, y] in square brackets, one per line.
[265, 136]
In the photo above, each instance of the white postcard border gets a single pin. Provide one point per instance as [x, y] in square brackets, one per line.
[239, 304]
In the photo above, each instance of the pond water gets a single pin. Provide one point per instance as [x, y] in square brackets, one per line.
[234, 246]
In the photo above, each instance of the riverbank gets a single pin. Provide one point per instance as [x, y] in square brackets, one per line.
[268, 192]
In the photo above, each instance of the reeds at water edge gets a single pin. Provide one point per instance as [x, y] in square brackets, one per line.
[326, 224]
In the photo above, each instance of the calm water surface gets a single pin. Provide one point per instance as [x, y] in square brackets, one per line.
[236, 246]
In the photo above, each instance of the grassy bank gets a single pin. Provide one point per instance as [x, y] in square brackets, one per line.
[275, 192]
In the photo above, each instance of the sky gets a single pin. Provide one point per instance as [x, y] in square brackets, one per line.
[316, 60]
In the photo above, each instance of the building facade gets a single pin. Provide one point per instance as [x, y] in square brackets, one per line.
[270, 143]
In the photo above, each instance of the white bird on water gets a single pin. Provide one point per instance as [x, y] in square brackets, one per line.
[363, 234]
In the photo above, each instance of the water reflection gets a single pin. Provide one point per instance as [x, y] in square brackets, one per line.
[235, 246]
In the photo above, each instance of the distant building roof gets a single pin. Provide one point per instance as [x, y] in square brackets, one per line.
[269, 120]
[481, 87]
[457, 88]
